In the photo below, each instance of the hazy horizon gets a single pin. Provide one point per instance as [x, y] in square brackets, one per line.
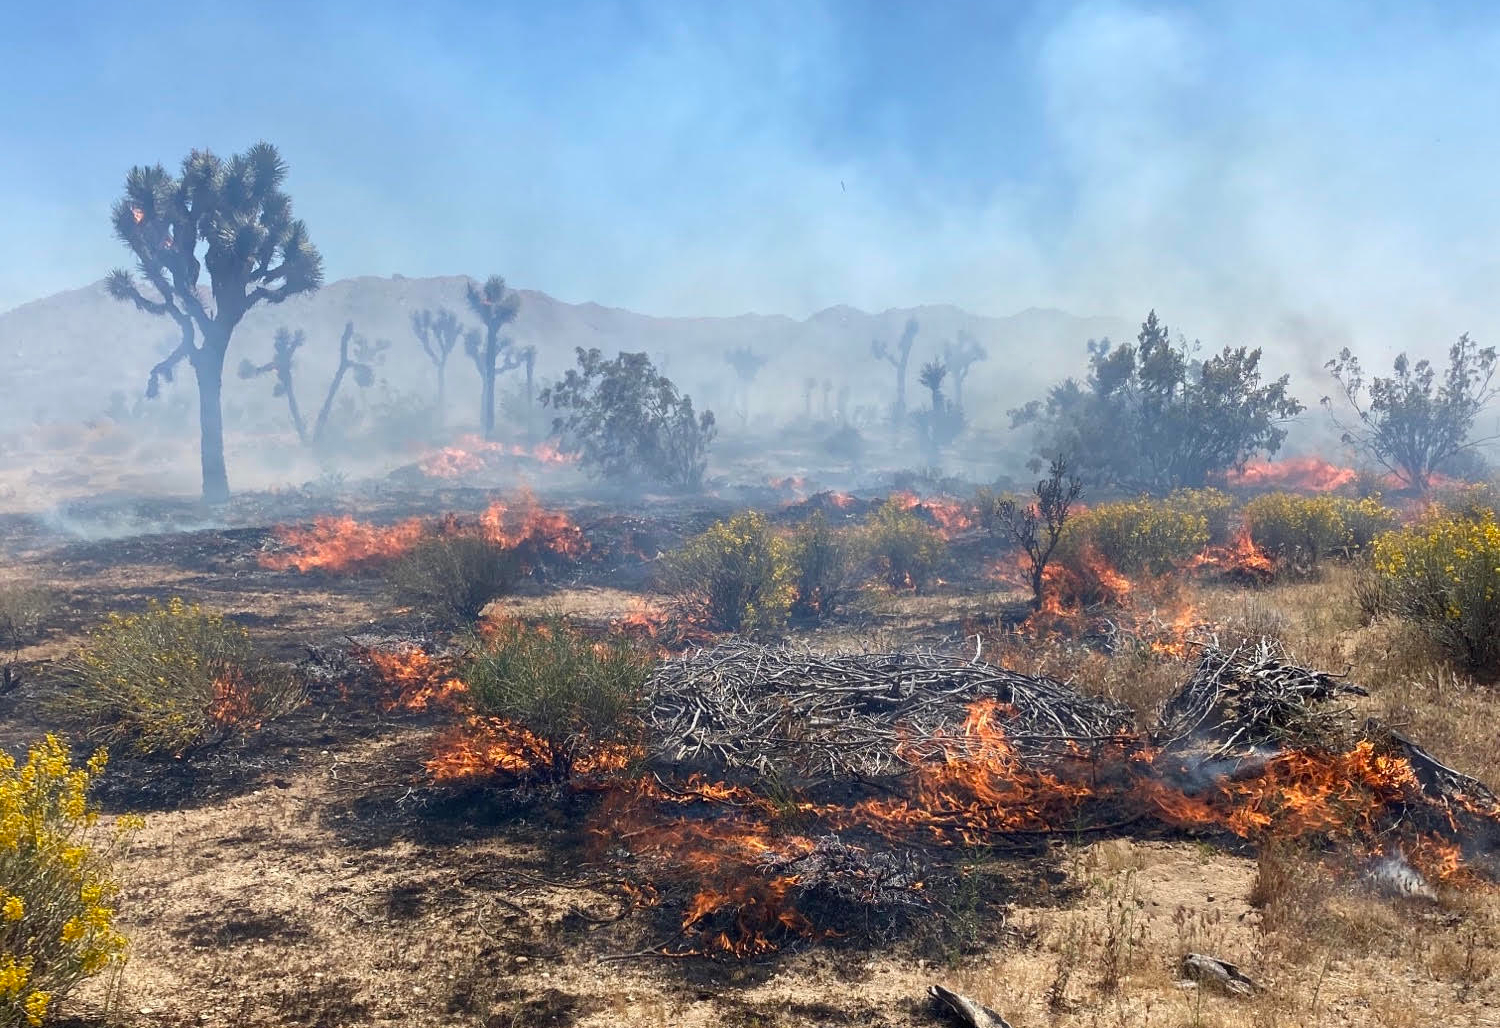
[1297, 175]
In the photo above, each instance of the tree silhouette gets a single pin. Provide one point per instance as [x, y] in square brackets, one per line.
[746, 364]
[959, 357]
[940, 423]
[231, 219]
[438, 332]
[361, 364]
[898, 358]
[1038, 527]
[496, 306]
[1409, 423]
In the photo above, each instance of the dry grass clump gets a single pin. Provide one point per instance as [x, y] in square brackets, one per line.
[171, 678]
[57, 884]
[453, 577]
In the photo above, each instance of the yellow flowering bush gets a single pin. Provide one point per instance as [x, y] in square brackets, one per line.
[1444, 575]
[57, 893]
[1304, 529]
[735, 577]
[905, 548]
[1215, 506]
[174, 677]
[1134, 536]
[825, 562]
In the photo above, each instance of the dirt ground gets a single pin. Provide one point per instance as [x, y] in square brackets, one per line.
[313, 875]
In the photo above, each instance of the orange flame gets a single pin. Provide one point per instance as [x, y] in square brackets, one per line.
[1301, 474]
[341, 544]
[522, 521]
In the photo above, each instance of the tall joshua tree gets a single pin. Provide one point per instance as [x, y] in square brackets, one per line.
[438, 332]
[283, 354]
[898, 359]
[746, 364]
[230, 218]
[958, 358]
[361, 364]
[496, 306]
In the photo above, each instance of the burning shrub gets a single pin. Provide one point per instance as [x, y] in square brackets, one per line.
[1444, 576]
[554, 699]
[1471, 500]
[735, 577]
[1135, 536]
[1302, 529]
[906, 548]
[454, 576]
[56, 886]
[174, 677]
[825, 564]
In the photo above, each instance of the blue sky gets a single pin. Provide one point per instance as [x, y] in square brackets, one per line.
[1257, 170]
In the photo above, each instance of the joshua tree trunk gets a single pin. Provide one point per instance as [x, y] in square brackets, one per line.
[487, 395]
[209, 368]
[442, 370]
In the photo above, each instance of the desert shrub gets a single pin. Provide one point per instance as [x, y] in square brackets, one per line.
[844, 443]
[1366, 519]
[1213, 505]
[1444, 576]
[567, 698]
[453, 576]
[628, 422]
[1135, 536]
[905, 548]
[56, 883]
[735, 577]
[1472, 500]
[1304, 529]
[824, 559]
[174, 677]
[23, 611]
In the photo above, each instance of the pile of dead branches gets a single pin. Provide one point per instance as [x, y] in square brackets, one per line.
[790, 713]
[1252, 696]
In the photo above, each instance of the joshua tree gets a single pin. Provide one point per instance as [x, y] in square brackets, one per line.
[939, 424]
[898, 359]
[526, 358]
[1037, 527]
[251, 246]
[746, 364]
[438, 332]
[959, 358]
[362, 364]
[809, 386]
[284, 349]
[496, 306]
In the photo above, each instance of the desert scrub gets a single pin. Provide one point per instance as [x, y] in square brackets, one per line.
[735, 577]
[174, 677]
[1136, 536]
[558, 699]
[23, 611]
[1444, 576]
[57, 888]
[1301, 530]
[905, 548]
[453, 576]
[824, 559]
[1214, 506]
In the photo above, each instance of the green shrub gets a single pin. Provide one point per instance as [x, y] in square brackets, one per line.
[735, 577]
[824, 559]
[57, 887]
[564, 701]
[1137, 536]
[1444, 576]
[174, 677]
[1303, 529]
[1472, 500]
[906, 549]
[453, 576]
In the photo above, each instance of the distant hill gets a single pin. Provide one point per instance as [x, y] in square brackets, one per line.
[63, 356]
